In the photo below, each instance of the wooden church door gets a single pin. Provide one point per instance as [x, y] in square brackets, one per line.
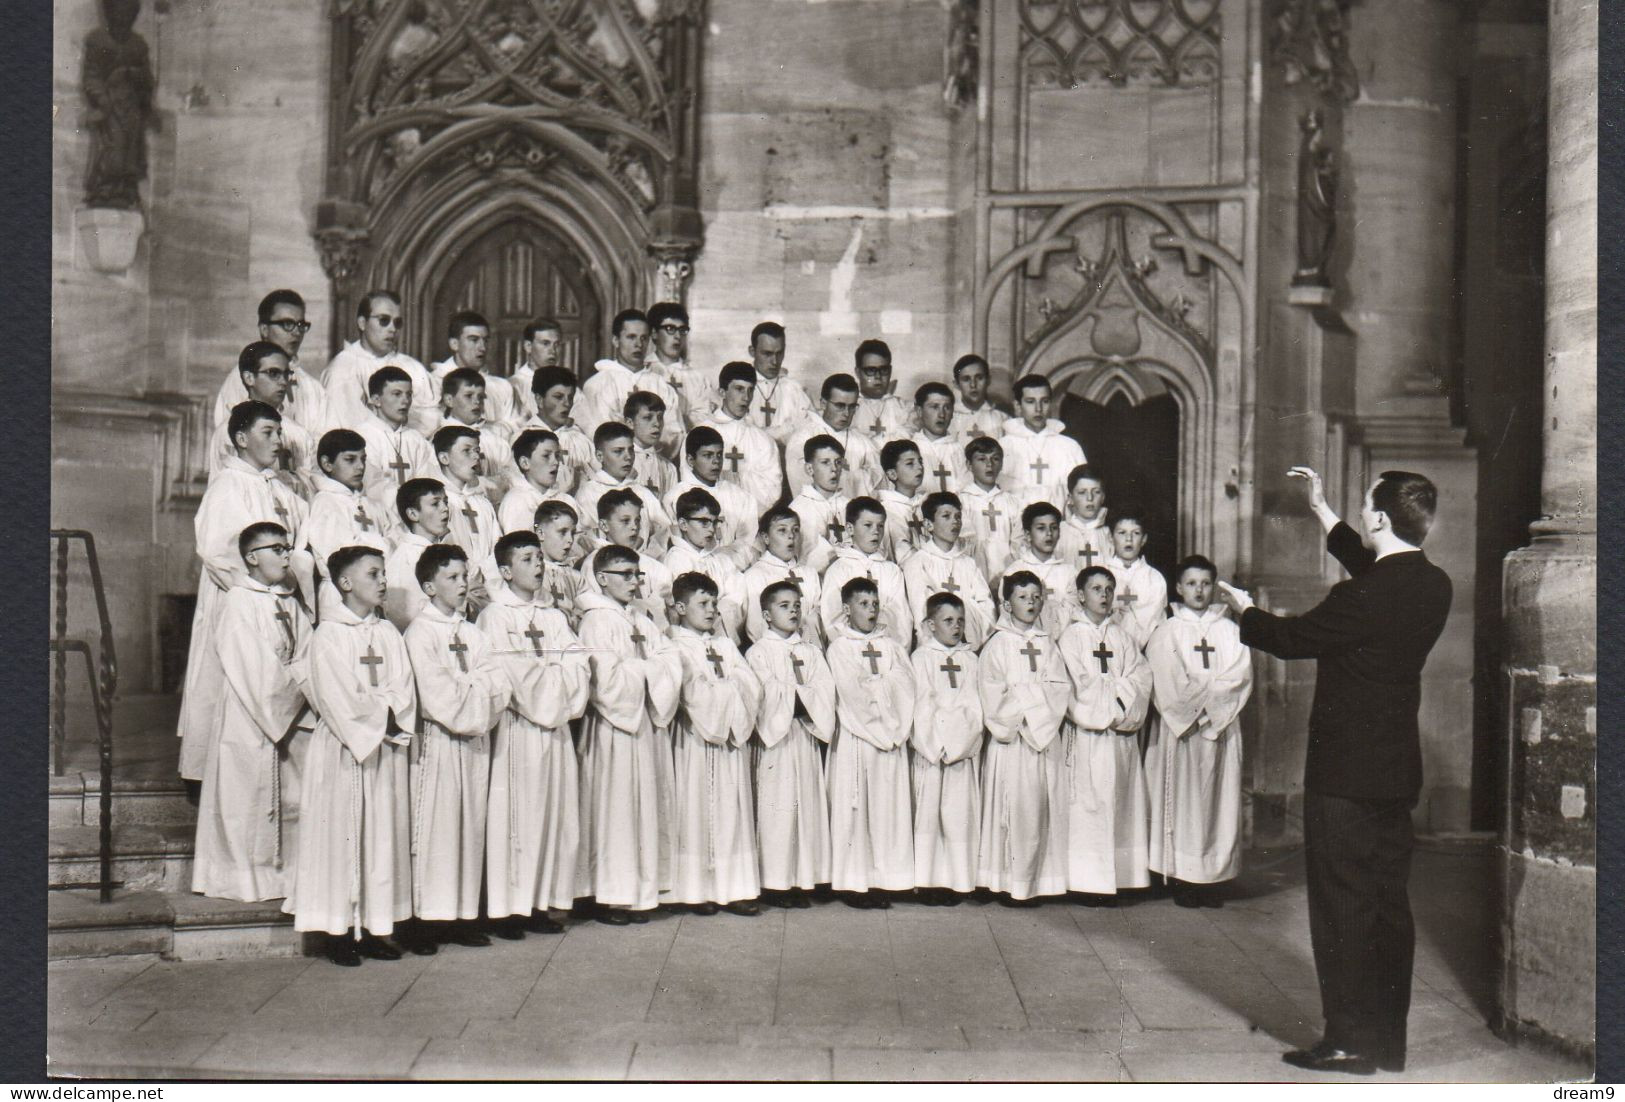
[1135, 449]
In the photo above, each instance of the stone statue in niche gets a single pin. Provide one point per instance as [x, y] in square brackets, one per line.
[1317, 203]
[118, 84]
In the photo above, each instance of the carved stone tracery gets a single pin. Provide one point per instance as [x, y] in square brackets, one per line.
[1309, 41]
[1068, 43]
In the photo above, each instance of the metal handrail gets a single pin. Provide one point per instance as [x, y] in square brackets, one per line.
[103, 678]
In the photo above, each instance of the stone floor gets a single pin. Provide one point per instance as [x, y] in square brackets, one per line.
[977, 992]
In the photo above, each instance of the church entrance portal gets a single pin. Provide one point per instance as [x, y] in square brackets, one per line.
[1135, 448]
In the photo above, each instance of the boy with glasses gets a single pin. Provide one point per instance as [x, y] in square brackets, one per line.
[837, 406]
[263, 373]
[668, 357]
[378, 336]
[282, 323]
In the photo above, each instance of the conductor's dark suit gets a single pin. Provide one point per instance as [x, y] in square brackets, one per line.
[1371, 637]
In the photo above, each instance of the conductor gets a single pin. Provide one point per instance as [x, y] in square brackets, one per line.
[1370, 637]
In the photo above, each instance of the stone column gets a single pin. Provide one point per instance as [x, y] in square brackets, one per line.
[1549, 942]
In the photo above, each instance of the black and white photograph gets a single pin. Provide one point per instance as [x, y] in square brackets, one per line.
[822, 540]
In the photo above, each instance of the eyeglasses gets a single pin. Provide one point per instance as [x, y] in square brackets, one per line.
[274, 548]
[623, 573]
[277, 373]
[290, 326]
[386, 320]
[674, 329]
[704, 522]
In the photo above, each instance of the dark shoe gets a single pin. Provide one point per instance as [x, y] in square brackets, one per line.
[638, 917]
[858, 900]
[879, 901]
[511, 928]
[341, 951]
[459, 934]
[1008, 900]
[1187, 899]
[540, 922]
[1091, 899]
[946, 898]
[701, 908]
[613, 916]
[743, 907]
[1323, 1057]
[375, 948]
[1390, 1063]
[799, 899]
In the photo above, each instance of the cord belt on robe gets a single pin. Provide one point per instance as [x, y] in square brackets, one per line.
[276, 804]
[355, 846]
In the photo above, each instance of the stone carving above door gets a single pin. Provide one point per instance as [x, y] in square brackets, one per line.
[1068, 43]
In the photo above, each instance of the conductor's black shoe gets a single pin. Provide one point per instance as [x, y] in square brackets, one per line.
[1390, 1063]
[613, 916]
[1324, 1057]
[540, 922]
[375, 948]
[341, 951]
[743, 907]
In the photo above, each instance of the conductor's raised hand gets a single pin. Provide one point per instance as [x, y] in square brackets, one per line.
[1238, 600]
[1317, 489]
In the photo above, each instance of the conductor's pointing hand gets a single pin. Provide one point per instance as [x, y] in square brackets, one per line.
[1317, 490]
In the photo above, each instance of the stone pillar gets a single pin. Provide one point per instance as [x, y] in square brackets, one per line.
[1549, 936]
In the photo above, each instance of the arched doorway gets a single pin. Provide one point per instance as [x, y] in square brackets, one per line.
[1135, 449]
[513, 273]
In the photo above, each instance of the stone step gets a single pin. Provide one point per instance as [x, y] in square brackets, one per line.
[173, 924]
[145, 858]
[76, 801]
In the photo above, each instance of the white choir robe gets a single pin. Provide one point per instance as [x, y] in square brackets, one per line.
[676, 419]
[896, 620]
[1060, 586]
[236, 497]
[905, 530]
[1106, 798]
[947, 742]
[944, 461]
[682, 557]
[1036, 463]
[341, 517]
[792, 802]
[750, 460]
[932, 570]
[461, 695]
[770, 569]
[871, 822]
[1201, 678]
[533, 817]
[1140, 601]
[628, 844]
[577, 457]
[394, 457]
[789, 404]
[653, 470]
[695, 385]
[603, 398]
[306, 399]
[248, 817]
[497, 468]
[524, 400]
[862, 475]
[736, 527]
[403, 596]
[968, 424]
[474, 528]
[992, 524]
[715, 816]
[561, 584]
[501, 407]
[345, 381]
[1084, 543]
[355, 830]
[1024, 689]
[517, 513]
[823, 525]
[884, 419]
[297, 462]
[654, 525]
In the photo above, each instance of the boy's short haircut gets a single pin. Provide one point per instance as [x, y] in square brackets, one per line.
[1038, 510]
[774, 515]
[639, 400]
[530, 440]
[1012, 582]
[245, 415]
[1132, 513]
[769, 594]
[446, 437]
[662, 312]
[692, 502]
[767, 329]
[857, 585]
[542, 325]
[364, 304]
[413, 492]
[465, 319]
[942, 600]
[1089, 572]
[282, 296]
[822, 442]
[610, 430]
[613, 554]
[1082, 471]
[892, 452]
[690, 582]
[546, 378]
[1195, 562]
[513, 541]
[863, 504]
[872, 347]
[389, 373]
[335, 442]
[1028, 382]
[549, 511]
[249, 360]
[702, 436]
[435, 556]
[256, 532]
[967, 360]
[614, 499]
[736, 371]
[458, 378]
[345, 557]
[932, 390]
[838, 381]
[983, 445]
[625, 317]
[936, 500]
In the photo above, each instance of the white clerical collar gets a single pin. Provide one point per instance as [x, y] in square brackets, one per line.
[334, 486]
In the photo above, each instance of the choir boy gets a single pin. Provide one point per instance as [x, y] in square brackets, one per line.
[627, 849]
[377, 345]
[941, 452]
[822, 502]
[992, 517]
[646, 414]
[620, 515]
[668, 355]
[974, 414]
[781, 532]
[870, 820]
[1086, 537]
[468, 336]
[715, 820]
[614, 448]
[472, 517]
[694, 549]
[465, 401]
[1111, 690]
[282, 323]
[1037, 452]
[1023, 684]
[340, 514]
[881, 414]
[905, 474]
[779, 405]
[796, 724]
[750, 457]
[943, 565]
[555, 526]
[425, 519]
[396, 452]
[533, 829]
[461, 694]
[861, 557]
[702, 467]
[266, 375]
[1142, 591]
[1201, 679]
[947, 742]
[837, 407]
[353, 877]
[553, 394]
[603, 395]
[542, 346]
[1041, 528]
[537, 458]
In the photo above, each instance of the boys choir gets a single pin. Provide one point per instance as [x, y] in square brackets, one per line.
[472, 652]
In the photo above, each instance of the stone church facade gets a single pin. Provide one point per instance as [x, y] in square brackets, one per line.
[1236, 235]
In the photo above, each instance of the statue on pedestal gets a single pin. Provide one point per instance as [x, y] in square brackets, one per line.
[1317, 203]
[118, 85]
